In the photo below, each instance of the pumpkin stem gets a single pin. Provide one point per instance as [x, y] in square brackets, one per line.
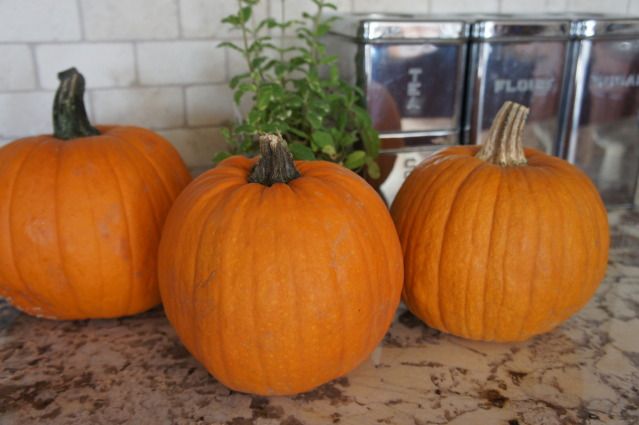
[70, 119]
[504, 145]
[276, 164]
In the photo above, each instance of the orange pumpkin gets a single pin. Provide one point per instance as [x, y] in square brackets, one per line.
[500, 243]
[81, 213]
[279, 276]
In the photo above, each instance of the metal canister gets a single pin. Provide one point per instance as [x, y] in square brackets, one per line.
[411, 69]
[524, 60]
[602, 134]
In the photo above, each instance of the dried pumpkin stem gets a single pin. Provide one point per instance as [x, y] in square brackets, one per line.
[504, 145]
[276, 164]
[70, 119]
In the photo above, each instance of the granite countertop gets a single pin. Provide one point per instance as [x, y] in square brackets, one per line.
[135, 370]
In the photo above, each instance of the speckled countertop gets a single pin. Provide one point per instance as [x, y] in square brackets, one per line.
[135, 371]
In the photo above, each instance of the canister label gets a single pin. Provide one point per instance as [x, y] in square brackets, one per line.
[404, 164]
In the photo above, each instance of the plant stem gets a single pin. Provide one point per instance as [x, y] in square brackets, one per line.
[276, 164]
[504, 146]
[70, 119]
[246, 53]
[282, 31]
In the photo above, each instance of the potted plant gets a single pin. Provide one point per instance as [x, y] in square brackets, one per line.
[296, 91]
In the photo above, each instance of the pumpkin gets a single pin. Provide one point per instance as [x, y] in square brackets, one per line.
[81, 213]
[278, 275]
[500, 242]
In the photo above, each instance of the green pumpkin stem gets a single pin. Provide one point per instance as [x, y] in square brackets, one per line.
[70, 119]
[505, 145]
[276, 164]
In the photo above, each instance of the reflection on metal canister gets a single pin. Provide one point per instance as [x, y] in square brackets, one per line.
[412, 72]
[524, 61]
[603, 126]
[431, 82]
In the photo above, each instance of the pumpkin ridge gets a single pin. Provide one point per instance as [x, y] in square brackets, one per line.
[330, 192]
[256, 313]
[122, 145]
[164, 184]
[445, 229]
[555, 200]
[438, 172]
[165, 159]
[125, 218]
[489, 251]
[590, 254]
[362, 213]
[88, 193]
[585, 242]
[467, 281]
[533, 277]
[27, 291]
[504, 274]
[555, 303]
[212, 205]
[299, 333]
[56, 198]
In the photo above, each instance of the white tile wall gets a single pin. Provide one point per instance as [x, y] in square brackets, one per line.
[599, 5]
[468, 6]
[155, 107]
[294, 9]
[177, 62]
[399, 6]
[25, 114]
[208, 105]
[155, 63]
[39, 20]
[201, 18]
[102, 64]
[130, 19]
[16, 67]
[514, 6]
[196, 145]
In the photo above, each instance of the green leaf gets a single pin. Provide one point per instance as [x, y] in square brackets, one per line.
[298, 133]
[245, 14]
[372, 168]
[237, 79]
[322, 138]
[314, 121]
[322, 29]
[231, 20]
[301, 152]
[355, 160]
[330, 151]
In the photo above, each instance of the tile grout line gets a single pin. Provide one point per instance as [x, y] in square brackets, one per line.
[36, 67]
[178, 13]
[81, 18]
[136, 66]
[185, 116]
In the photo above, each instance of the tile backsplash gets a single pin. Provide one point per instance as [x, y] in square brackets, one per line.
[155, 63]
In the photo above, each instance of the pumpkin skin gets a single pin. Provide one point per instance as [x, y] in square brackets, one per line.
[80, 221]
[279, 289]
[499, 253]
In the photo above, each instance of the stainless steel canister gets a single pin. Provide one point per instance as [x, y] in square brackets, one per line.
[521, 59]
[412, 71]
[602, 134]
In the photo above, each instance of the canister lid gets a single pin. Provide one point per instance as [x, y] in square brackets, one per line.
[518, 28]
[606, 27]
[396, 27]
